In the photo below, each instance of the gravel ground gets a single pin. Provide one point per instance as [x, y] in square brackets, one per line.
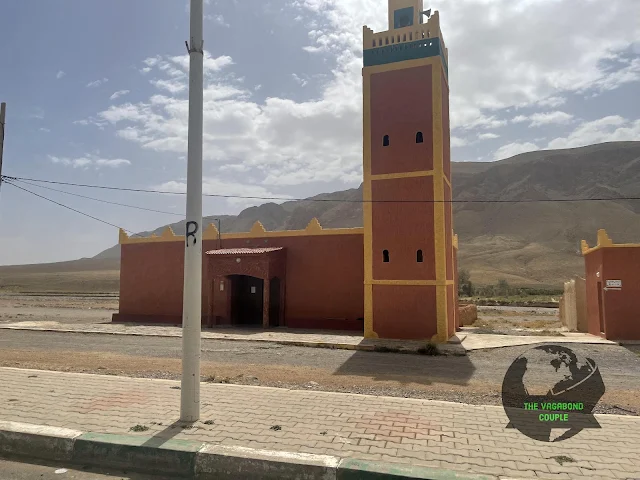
[475, 379]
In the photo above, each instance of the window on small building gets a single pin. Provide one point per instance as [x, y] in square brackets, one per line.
[385, 256]
[385, 141]
[419, 137]
[419, 256]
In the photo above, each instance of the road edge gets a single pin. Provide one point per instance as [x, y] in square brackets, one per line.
[195, 459]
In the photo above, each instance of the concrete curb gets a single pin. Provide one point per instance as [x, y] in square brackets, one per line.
[199, 460]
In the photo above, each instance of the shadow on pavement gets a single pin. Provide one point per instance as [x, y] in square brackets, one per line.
[403, 368]
[163, 436]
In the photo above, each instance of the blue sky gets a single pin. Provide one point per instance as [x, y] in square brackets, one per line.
[96, 93]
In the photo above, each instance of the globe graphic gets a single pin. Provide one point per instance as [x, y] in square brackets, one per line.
[551, 374]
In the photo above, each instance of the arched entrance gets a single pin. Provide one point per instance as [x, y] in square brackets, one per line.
[247, 286]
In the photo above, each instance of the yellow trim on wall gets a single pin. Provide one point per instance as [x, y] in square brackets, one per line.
[446, 180]
[393, 176]
[367, 207]
[604, 241]
[439, 206]
[257, 231]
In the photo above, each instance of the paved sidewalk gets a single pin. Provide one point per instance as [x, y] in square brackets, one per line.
[466, 340]
[418, 432]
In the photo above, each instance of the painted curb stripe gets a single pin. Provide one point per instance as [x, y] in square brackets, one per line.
[193, 459]
[141, 453]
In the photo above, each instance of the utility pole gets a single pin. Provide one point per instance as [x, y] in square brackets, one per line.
[219, 234]
[192, 297]
[3, 112]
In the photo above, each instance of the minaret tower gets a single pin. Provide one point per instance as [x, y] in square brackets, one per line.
[408, 240]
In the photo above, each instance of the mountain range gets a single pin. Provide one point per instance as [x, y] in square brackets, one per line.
[517, 219]
[533, 242]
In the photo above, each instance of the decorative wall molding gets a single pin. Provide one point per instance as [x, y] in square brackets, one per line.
[257, 231]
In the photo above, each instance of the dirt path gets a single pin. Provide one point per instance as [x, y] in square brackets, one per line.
[475, 379]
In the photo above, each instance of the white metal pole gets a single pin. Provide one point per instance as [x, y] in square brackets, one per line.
[192, 298]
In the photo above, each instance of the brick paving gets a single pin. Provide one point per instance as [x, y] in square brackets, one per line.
[418, 432]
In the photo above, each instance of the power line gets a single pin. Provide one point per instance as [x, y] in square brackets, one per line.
[65, 206]
[99, 199]
[140, 190]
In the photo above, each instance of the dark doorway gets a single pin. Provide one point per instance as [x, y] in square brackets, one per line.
[274, 302]
[601, 307]
[246, 300]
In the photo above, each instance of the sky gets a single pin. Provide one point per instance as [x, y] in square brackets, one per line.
[97, 93]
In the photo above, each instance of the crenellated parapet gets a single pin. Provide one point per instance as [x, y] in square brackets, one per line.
[257, 231]
[428, 30]
[603, 241]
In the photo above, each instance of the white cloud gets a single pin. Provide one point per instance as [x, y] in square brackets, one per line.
[97, 83]
[458, 142]
[545, 118]
[218, 19]
[300, 81]
[552, 102]
[515, 148]
[216, 186]
[506, 68]
[145, 70]
[89, 160]
[60, 74]
[607, 129]
[43, 129]
[287, 142]
[488, 136]
[118, 94]
[170, 86]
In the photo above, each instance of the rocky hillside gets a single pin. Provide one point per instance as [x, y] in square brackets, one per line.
[525, 243]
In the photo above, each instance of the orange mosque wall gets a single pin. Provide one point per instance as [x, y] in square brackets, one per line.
[416, 232]
[612, 310]
[395, 309]
[403, 107]
[324, 279]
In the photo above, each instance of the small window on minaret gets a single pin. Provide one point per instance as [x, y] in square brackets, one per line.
[419, 137]
[420, 259]
[385, 141]
[385, 256]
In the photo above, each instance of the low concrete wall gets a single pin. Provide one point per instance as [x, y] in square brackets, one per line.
[581, 304]
[573, 305]
[468, 314]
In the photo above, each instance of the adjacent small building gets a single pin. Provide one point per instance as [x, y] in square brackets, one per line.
[394, 278]
[612, 288]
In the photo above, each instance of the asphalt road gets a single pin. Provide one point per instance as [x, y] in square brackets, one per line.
[21, 470]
